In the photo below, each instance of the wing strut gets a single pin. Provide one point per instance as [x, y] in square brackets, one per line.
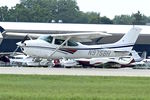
[60, 46]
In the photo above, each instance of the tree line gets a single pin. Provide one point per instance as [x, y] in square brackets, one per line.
[66, 11]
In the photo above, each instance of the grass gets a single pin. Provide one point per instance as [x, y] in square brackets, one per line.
[36, 87]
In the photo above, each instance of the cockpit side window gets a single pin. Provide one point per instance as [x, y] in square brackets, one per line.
[69, 43]
[59, 41]
[72, 43]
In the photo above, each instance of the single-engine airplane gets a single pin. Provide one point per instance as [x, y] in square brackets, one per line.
[56, 46]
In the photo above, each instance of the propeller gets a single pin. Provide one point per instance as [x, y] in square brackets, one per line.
[27, 37]
[21, 43]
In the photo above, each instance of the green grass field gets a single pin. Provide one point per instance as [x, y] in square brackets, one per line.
[35, 87]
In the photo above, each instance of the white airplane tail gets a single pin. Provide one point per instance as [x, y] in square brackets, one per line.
[128, 40]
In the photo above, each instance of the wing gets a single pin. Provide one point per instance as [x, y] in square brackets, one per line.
[11, 34]
[47, 28]
[77, 36]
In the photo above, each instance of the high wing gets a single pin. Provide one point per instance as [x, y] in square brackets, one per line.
[33, 35]
[77, 36]
[48, 28]
[6, 33]
[82, 36]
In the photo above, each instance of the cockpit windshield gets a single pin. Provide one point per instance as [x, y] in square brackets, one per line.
[46, 38]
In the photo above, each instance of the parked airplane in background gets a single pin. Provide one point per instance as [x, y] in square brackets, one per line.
[139, 60]
[23, 60]
[115, 62]
[66, 63]
[56, 46]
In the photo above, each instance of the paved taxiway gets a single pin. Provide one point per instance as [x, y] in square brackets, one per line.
[75, 71]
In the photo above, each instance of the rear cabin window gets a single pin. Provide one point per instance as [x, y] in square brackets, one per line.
[72, 43]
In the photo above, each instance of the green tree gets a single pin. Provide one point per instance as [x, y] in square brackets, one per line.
[81, 17]
[93, 17]
[138, 18]
[21, 13]
[67, 10]
[105, 20]
[46, 10]
[123, 19]
[4, 13]
[40, 10]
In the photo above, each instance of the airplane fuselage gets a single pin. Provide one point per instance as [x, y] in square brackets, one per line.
[43, 49]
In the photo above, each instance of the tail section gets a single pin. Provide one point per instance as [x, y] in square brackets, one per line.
[2, 31]
[128, 40]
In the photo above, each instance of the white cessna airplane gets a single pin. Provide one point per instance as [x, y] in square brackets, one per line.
[56, 46]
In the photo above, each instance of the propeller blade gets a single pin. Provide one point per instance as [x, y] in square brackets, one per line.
[27, 37]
